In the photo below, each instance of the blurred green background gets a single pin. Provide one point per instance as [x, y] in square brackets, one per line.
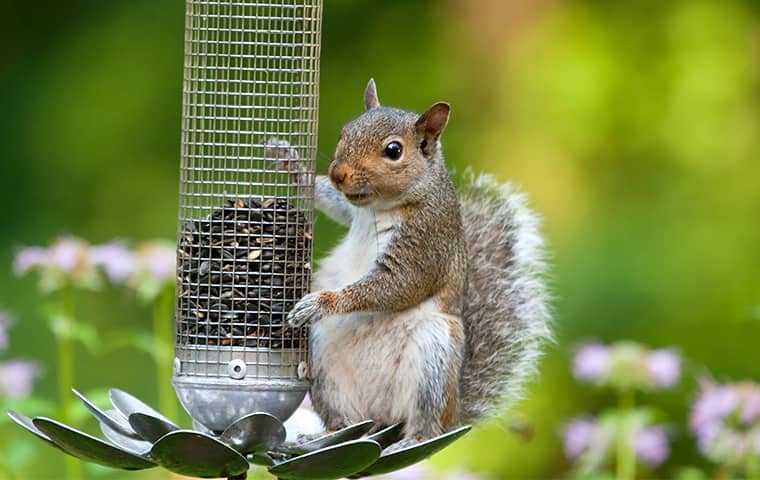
[634, 126]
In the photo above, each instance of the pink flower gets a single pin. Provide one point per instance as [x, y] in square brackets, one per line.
[751, 408]
[651, 445]
[626, 365]
[64, 262]
[67, 253]
[115, 258]
[589, 442]
[578, 436]
[17, 378]
[726, 421]
[155, 269]
[664, 368]
[591, 362]
[158, 259]
[715, 402]
[161, 261]
[29, 258]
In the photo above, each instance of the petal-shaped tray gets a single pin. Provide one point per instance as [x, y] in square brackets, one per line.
[261, 458]
[257, 432]
[388, 436]
[150, 428]
[329, 463]
[90, 448]
[132, 427]
[26, 423]
[197, 455]
[113, 418]
[333, 438]
[138, 447]
[127, 405]
[404, 457]
[115, 427]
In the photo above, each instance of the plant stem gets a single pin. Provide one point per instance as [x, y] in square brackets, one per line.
[723, 473]
[162, 336]
[752, 469]
[66, 374]
[626, 456]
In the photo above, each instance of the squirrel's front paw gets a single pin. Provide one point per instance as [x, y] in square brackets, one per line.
[309, 309]
[280, 152]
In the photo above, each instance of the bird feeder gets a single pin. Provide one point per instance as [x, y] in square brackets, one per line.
[244, 247]
[245, 228]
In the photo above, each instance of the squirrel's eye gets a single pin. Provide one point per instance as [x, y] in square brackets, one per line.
[393, 150]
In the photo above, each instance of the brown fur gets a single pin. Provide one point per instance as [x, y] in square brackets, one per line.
[409, 307]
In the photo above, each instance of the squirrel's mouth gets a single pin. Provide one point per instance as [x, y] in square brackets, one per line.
[358, 198]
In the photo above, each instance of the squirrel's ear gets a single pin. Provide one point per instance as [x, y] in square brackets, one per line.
[430, 125]
[370, 95]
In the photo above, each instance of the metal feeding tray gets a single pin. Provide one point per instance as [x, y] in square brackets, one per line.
[138, 437]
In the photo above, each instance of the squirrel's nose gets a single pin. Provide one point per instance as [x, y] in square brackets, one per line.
[339, 173]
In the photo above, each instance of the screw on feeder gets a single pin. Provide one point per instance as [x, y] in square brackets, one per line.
[244, 241]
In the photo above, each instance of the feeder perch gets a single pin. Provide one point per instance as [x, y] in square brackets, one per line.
[138, 437]
[244, 245]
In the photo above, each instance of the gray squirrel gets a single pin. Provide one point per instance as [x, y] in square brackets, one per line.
[432, 310]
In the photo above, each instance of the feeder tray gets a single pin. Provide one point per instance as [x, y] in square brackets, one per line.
[138, 437]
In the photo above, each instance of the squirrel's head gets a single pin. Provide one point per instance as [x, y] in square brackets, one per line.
[383, 155]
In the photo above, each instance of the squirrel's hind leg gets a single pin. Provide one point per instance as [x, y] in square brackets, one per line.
[436, 409]
[324, 405]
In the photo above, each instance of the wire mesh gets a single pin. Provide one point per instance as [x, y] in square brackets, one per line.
[244, 240]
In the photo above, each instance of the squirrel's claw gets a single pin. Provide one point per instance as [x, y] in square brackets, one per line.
[309, 309]
[279, 151]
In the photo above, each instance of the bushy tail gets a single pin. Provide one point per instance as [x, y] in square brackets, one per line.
[506, 311]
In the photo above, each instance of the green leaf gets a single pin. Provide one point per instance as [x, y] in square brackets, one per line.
[89, 280]
[51, 281]
[64, 326]
[147, 290]
[691, 473]
[613, 418]
[158, 349]
[87, 335]
[59, 322]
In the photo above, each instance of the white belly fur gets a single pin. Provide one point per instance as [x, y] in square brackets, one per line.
[374, 360]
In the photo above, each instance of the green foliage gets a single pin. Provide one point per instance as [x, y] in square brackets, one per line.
[65, 327]
[144, 342]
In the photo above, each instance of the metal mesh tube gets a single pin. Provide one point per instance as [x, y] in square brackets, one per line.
[244, 240]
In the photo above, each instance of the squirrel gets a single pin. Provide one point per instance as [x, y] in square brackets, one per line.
[432, 310]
